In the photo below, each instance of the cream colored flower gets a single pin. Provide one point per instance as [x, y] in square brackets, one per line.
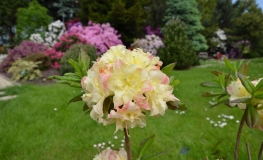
[111, 155]
[127, 116]
[237, 91]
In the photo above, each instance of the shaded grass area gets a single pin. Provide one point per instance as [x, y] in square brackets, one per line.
[39, 124]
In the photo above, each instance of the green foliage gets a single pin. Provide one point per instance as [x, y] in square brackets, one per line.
[188, 13]
[66, 8]
[31, 19]
[39, 57]
[127, 17]
[24, 70]
[177, 48]
[157, 12]
[73, 53]
[249, 27]
[8, 16]
[209, 19]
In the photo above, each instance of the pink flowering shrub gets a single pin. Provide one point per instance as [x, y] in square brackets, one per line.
[24, 49]
[64, 43]
[102, 36]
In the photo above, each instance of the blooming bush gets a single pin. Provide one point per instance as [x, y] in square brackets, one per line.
[150, 31]
[151, 43]
[55, 31]
[21, 51]
[239, 91]
[65, 42]
[102, 36]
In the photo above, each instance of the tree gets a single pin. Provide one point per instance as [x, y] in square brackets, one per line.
[8, 9]
[209, 18]
[157, 11]
[31, 18]
[126, 16]
[249, 27]
[188, 13]
[178, 48]
[66, 8]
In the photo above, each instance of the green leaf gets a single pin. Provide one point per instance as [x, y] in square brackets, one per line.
[84, 60]
[243, 69]
[76, 67]
[108, 104]
[241, 100]
[221, 102]
[168, 68]
[67, 78]
[86, 107]
[229, 65]
[217, 73]
[210, 85]
[76, 98]
[258, 94]
[251, 116]
[211, 94]
[259, 86]
[157, 154]
[174, 82]
[145, 144]
[246, 83]
[70, 83]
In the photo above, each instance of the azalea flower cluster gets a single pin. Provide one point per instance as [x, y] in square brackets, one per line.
[55, 31]
[102, 36]
[109, 154]
[237, 91]
[123, 85]
[151, 43]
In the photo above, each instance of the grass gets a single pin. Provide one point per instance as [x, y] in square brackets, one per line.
[39, 124]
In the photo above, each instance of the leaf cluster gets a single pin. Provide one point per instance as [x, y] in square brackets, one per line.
[24, 70]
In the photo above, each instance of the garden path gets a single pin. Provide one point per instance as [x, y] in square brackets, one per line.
[5, 82]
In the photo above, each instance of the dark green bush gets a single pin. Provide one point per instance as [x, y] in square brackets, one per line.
[178, 48]
[40, 57]
[73, 53]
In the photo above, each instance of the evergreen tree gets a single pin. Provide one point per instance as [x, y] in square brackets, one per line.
[157, 12]
[209, 18]
[188, 13]
[126, 16]
[8, 16]
[178, 48]
[249, 27]
[30, 19]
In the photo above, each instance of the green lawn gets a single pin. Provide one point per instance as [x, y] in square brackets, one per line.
[39, 124]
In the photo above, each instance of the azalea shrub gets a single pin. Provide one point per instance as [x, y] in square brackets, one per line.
[150, 31]
[120, 88]
[55, 31]
[73, 53]
[65, 42]
[102, 36]
[151, 43]
[24, 49]
[237, 90]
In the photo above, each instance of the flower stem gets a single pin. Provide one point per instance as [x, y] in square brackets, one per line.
[127, 143]
[239, 134]
[260, 151]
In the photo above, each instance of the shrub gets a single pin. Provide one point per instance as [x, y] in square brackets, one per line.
[148, 44]
[24, 70]
[73, 53]
[55, 31]
[65, 42]
[40, 57]
[178, 48]
[31, 19]
[102, 36]
[21, 51]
